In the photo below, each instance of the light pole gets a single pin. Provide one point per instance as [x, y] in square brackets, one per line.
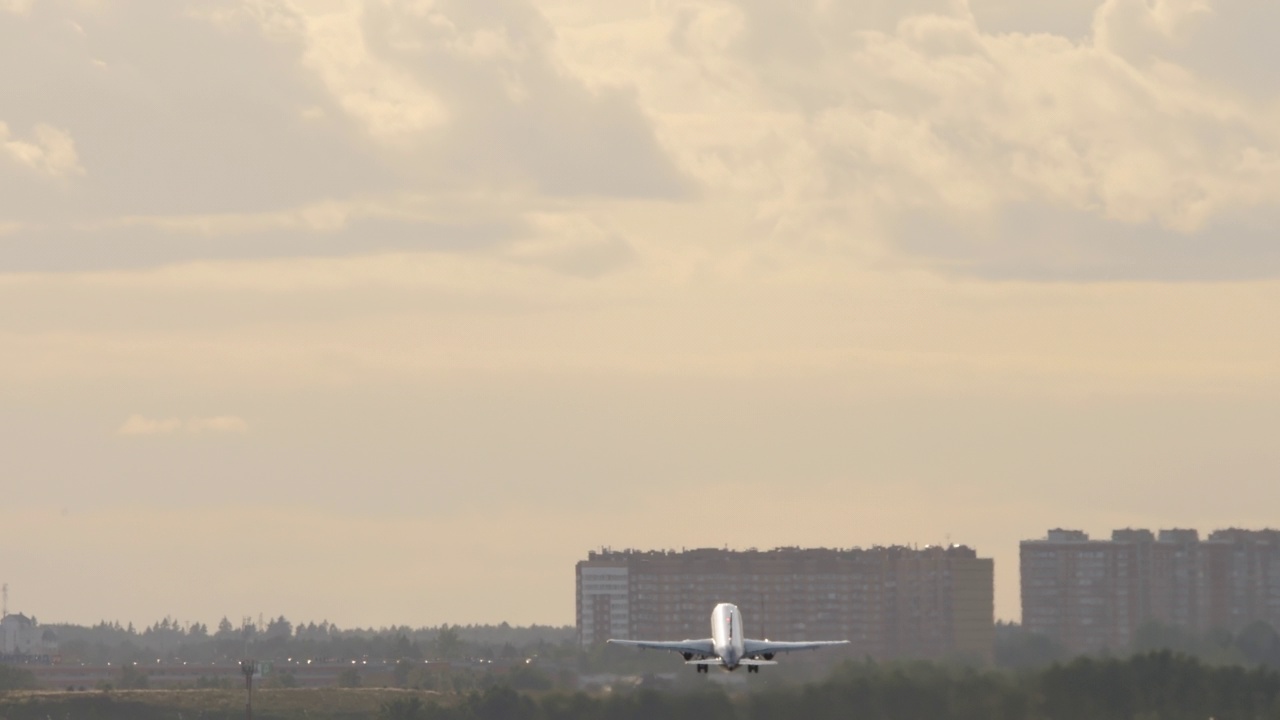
[248, 667]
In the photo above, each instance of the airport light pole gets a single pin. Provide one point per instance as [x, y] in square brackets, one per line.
[248, 667]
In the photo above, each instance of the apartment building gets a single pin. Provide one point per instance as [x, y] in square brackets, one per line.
[890, 602]
[1092, 595]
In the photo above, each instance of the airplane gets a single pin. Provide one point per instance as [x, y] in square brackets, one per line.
[727, 647]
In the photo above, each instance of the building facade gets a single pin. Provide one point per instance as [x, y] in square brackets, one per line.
[893, 602]
[22, 638]
[1093, 595]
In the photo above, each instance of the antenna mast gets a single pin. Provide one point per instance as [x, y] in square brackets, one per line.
[4, 610]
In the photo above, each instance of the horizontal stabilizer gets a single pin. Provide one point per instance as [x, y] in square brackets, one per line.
[717, 662]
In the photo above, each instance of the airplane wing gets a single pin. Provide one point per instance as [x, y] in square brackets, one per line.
[696, 647]
[753, 648]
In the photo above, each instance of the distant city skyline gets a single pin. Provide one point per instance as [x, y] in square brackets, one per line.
[383, 311]
[1072, 537]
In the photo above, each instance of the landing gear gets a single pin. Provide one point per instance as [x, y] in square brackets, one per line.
[701, 668]
[753, 668]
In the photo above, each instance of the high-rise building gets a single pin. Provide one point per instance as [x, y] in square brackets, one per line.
[893, 602]
[1241, 578]
[1075, 590]
[1092, 595]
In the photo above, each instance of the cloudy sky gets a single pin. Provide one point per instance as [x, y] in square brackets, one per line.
[388, 311]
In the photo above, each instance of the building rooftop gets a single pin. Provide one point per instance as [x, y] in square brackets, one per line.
[781, 553]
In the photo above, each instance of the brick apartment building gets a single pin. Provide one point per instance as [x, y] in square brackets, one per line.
[1091, 595]
[890, 602]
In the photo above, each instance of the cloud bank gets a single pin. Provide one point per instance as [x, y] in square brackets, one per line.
[1087, 141]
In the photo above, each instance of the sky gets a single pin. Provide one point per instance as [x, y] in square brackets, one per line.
[386, 312]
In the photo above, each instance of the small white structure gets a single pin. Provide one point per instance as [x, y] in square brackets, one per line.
[19, 635]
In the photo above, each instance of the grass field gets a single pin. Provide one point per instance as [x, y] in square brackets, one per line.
[268, 704]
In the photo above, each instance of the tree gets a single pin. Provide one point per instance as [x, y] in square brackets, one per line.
[402, 671]
[132, 678]
[502, 703]
[1259, 643]
[448, 645]
[528, 677]
[349, 678]
[405, 649]
[279, 627]
[1019, 648]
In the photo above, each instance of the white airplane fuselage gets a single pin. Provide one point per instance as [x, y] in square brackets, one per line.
[726, 634]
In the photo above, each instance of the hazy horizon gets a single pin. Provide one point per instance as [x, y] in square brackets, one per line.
[389, 311]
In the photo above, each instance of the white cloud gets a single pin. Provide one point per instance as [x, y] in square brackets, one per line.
[220, 424]
[17, 7]
[390, 102]
[139, 425]
[828, 126]
[1121, 22]
[462, 94]
[830, 123]
[50, 150]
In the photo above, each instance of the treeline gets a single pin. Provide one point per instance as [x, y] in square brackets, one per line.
[1153, 686]
[1255, 644]
[278, 638]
